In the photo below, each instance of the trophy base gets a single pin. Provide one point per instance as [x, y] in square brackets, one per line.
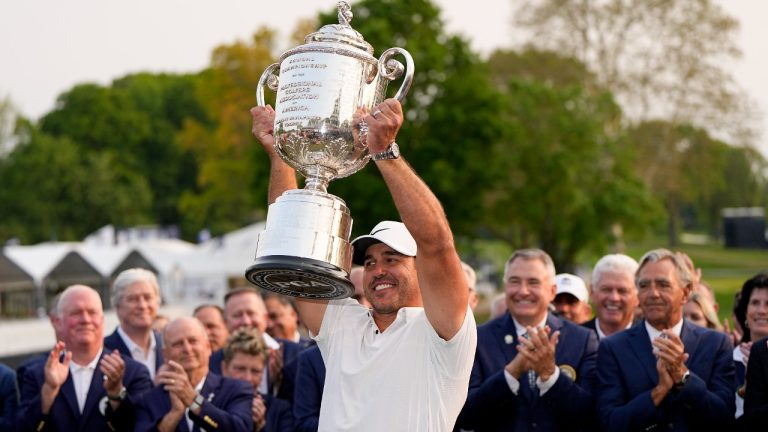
[300, 277]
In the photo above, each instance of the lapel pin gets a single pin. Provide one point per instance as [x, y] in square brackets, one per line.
[508, 339]
[210, 397]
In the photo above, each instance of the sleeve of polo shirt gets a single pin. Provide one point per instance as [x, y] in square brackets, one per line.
[460, 347]
[334, 314]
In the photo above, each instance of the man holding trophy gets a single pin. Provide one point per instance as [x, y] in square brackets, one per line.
[405, 363]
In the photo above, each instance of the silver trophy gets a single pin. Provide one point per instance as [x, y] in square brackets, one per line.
[324, 88]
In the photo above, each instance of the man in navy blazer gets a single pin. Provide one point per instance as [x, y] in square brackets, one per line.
[244, 308]
[136, 298]
[310, 380]
[188, 397]
[665, 373]
[9, 398]
[80, 386]
[532, 370]
[756, 399]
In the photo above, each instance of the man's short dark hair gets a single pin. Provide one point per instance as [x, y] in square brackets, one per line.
[209, 305]
[240, 290]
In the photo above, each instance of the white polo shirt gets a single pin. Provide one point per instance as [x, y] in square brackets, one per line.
[404, 379]
[82, 375]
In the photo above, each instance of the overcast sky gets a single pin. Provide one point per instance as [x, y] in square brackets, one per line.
[47, 46]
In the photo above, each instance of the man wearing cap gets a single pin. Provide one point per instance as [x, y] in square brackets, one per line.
[613, 294]
[533, 370]
[405, 363]
[571, 300]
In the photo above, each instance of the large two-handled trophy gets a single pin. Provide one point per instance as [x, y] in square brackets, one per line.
[323, 89]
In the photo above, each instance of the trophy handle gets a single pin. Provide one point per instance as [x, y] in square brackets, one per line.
[267, 78]
[392, 69]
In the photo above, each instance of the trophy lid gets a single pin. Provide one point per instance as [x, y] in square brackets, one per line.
[341, 33]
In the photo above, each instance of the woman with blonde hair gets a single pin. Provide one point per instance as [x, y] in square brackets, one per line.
[701, 312]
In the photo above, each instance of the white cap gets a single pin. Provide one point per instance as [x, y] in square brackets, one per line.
[573, 285]
[392, 234]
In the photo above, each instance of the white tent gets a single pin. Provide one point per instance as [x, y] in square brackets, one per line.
[220, 263]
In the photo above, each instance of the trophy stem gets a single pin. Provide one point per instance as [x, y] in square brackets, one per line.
[318, 178]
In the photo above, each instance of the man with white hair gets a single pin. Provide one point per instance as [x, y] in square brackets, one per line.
[614, 294]
[81, 386]
[136, 299]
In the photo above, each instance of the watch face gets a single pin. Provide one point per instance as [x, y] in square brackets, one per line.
[395, 149]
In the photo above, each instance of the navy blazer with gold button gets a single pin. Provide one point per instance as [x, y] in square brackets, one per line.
[567, 405]
[227, 407]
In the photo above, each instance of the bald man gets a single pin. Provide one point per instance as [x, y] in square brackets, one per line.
[188, 392]
[244, 308]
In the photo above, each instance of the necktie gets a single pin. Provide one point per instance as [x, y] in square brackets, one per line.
[531, 374]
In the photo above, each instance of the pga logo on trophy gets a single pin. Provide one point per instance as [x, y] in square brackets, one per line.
[324, 88]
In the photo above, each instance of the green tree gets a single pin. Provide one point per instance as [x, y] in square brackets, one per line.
[232, 181]
[678, 75]
[8, 115]
[168, 102]
[564, 180]
[54, 190]
[698, 176]
[135, 121]
[451, 114]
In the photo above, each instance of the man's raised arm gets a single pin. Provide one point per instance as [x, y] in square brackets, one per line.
[443, 286]
[282, 178]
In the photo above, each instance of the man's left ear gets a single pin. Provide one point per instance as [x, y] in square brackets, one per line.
[687, 290]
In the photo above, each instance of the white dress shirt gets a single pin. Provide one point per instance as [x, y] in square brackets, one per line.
[81, 378]
[653, 333]
[272, 344]
[601, 334]
[199, 389]
[543, 386]
[149, 358]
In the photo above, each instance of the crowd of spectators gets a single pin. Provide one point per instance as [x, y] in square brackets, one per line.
[637, 346]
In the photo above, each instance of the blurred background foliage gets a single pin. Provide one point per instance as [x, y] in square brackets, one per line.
[577, 139]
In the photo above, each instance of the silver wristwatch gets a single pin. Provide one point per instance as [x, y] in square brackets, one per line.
[121, 395]
[392, 152]
[197, 402]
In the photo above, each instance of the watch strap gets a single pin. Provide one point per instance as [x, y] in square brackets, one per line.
[120, 396]
[197, 402]
[683, 380]
[392, 152]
